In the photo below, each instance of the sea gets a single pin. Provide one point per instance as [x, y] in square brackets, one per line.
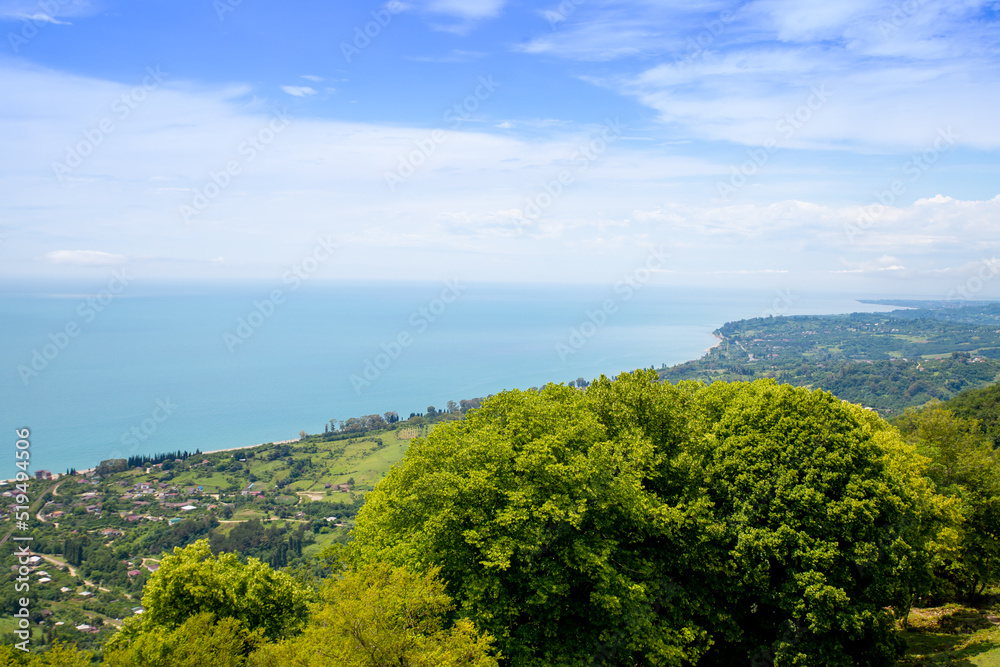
[116, 371]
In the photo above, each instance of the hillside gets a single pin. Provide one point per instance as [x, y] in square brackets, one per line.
[887, 361]
[101, 534]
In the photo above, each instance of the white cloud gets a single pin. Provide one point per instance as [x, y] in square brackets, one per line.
[45, 18]
[463, 14]
[454, 56]
[896, 73]
[84, 258]
[36, 10]
[313, 77]
[455, 215]
[466, 9]
[299, 91]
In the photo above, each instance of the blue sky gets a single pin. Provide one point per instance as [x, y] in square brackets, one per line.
[848, 146]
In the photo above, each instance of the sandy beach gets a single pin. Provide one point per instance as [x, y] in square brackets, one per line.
[259, 444]
[718, 342]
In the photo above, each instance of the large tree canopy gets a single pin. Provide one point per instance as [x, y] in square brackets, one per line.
[193, 581]
[639, 522]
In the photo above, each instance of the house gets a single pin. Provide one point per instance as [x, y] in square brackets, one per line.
[188, 508]
[176, 519]
[43, 474]
[152, 566]
[344, 487]
[44, 580]
[134, 573]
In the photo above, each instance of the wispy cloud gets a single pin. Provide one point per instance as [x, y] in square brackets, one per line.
[723, 72]
[462, 15]
[47, 12]
[299, 91]
[454, 56]
[84, 258]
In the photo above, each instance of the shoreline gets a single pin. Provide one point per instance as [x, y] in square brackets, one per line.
[706, 351]
[89, 471]
[259, 444]
[718, 341]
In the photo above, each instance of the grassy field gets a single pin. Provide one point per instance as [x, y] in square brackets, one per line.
[363, 460]
[953, 635]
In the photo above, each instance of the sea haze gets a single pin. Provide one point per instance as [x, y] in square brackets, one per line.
[174, 350]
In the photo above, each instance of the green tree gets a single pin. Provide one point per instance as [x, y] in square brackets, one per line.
[192, 581]
[964, 467]
[536, 510]
[381, 615]
[60, 655]
[645, 523]
[825, 512]
[197, 642]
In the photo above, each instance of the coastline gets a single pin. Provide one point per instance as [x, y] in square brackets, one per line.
[88, 471]
[259, 444]
[718, 342]
[693, 357]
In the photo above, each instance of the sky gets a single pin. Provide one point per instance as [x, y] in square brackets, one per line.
[848, 146]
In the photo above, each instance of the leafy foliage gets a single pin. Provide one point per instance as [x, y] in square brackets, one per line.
[60, 655]
[641, 522]
[192, 581]
[380, 615]
[198, 641]
[964, 467]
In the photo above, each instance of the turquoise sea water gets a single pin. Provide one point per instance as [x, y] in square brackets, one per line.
[169, 368]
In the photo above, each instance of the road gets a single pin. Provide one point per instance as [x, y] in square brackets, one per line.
[38, 514]
[32, 509]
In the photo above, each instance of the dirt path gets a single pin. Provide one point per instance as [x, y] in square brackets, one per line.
[56, 561]
[55, 492]
[33, 508]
